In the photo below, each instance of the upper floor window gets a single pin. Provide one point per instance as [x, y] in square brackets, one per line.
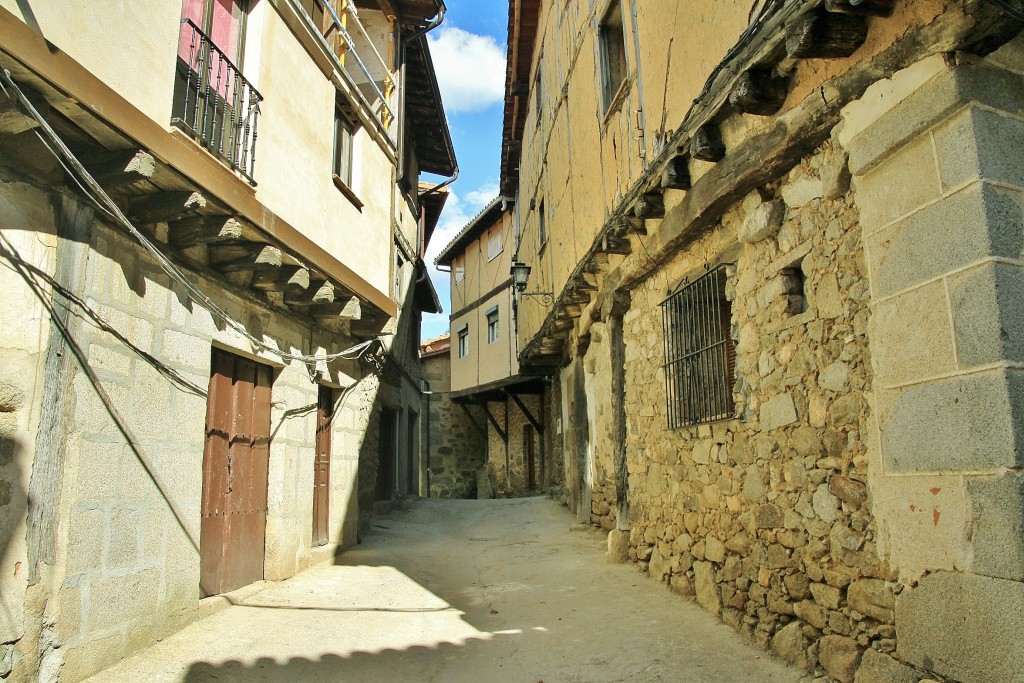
[459, 268]
[613, 52]
[464, 341]
[699, 351]
[492, 325]
[538, 92]
[343, 132]
[213, 102]
[495, 243]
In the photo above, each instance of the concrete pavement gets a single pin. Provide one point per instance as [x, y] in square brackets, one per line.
[452, 591]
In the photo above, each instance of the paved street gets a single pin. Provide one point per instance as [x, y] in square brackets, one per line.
[452, 591]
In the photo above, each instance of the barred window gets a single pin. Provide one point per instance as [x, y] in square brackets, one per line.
[699, 352]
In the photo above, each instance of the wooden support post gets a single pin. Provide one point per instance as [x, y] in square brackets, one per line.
[707, 143]
[759, 92]
[490, 418]
[820, 34]
[675, 177]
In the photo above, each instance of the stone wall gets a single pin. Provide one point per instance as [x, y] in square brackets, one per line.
[765, 519]
[456, 445]
[507, 465]
[129, 443]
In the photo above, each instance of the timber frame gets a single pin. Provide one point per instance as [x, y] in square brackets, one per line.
[754, 80]
[193, 207]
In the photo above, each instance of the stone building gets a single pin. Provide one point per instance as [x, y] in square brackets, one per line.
[203, 383]
[484, 370]
[785, 245]
[452, 435]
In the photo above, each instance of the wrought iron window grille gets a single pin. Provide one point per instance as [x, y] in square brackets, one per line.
[214, 103]
[699, 351]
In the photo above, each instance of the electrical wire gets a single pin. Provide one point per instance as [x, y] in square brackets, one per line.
[98, 196]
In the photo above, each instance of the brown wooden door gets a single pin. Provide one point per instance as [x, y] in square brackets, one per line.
[235, 463]
[322, 467]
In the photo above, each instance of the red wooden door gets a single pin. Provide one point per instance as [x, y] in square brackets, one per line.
[235, 464]
[322, 467]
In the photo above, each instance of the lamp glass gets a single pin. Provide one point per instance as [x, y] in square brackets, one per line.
[520, 274]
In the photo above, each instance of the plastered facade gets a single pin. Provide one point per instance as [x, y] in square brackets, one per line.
[857, 515]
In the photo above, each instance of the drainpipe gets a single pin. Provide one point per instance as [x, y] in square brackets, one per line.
[425, 391]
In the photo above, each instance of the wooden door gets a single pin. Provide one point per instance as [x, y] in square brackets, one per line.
[235, 463]
[322, 467]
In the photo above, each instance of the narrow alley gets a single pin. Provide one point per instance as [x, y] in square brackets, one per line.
[461, 590]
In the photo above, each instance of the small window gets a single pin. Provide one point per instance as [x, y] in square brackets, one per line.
[495, 245]
[613, 52]
[492, 325]
[699, 352]
[542, 227]
[459, 268]
[464, 341]
[343, 130]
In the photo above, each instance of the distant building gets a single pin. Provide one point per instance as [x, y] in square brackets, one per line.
[484, 369]
[212, 229]
[783, 241]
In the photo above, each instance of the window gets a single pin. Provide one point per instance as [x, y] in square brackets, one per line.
[495, 243]
[464, 341]
[613, 52]
[343, 130]
[538, 95]
[699, 351]
[459, 268]
[541, 226]
[492, 325]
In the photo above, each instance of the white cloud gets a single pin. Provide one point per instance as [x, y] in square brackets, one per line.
[458, 211]
[470, 69]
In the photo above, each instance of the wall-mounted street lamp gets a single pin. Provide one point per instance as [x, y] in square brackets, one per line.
[520, 274]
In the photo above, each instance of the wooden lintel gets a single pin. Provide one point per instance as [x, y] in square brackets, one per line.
[526, 411]
[707, 144]
[166, 206]
[826, 35]
[871, 8]
[123, 168]
[676, 176]
[198, 230]
[760, 92]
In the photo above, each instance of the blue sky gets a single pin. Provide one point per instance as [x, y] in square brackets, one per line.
[469, 55]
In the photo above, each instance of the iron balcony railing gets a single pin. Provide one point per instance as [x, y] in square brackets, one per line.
[214, 103]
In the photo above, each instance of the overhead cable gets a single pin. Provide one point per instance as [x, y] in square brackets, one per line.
[98, 196]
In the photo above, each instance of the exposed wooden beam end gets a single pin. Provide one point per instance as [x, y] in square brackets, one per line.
[826, 35]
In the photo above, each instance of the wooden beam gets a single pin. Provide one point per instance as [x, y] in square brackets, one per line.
[261, 259]
[123, 168]
[826, 35]
[760, 92]
[197, 230]
[707, 144]
[286, 278]
[652, 204]
[871, 8]
[165, 206]
[343, 310]
[526, 411]
[497, 427]
[676, 176]
[13, 120]
[622, 247]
